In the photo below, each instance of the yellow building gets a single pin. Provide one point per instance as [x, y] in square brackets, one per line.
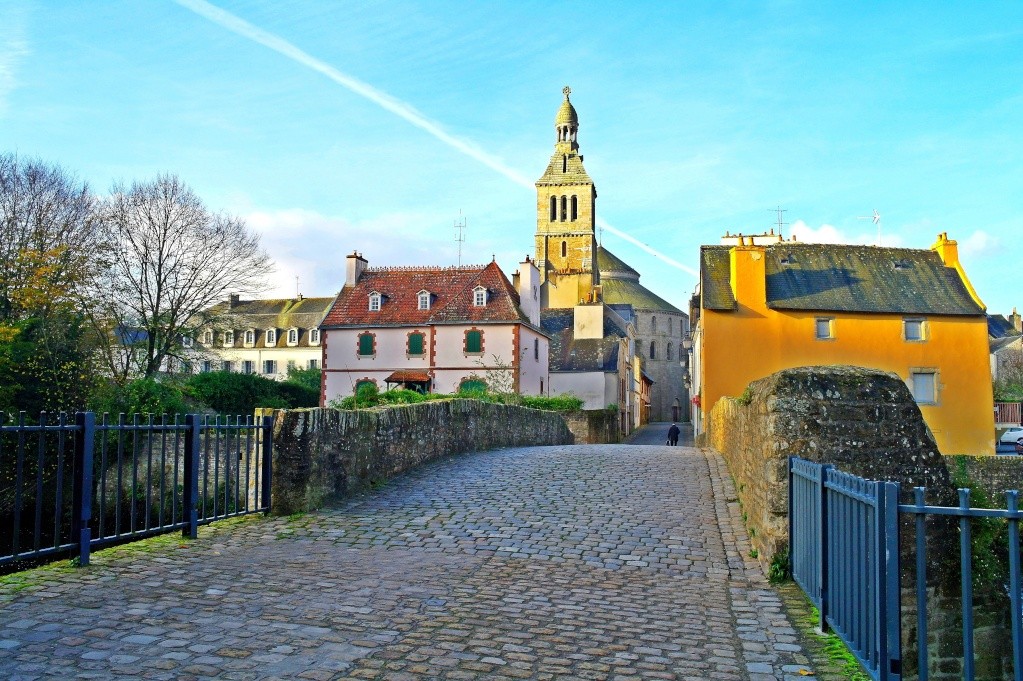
[767, 304]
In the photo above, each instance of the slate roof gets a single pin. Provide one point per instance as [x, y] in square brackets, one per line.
[570, 354]
[619, 285]
[451, 302]
[998, 344]
[272, 313]
[1000, 327]
[844, 278]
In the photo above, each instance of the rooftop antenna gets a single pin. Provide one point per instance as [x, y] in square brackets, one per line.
[779, 213]
[460, 235]
[298, 291]
[876, 219]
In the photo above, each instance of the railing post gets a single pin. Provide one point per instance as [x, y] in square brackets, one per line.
[889, 598]
[190, 495]
[966, 572]
[267, 463]
[81, 504]
[822, 559]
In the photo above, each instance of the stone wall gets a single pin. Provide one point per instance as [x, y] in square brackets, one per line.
[322, 455]
[594, 426]
[863, 421]
[993, 474]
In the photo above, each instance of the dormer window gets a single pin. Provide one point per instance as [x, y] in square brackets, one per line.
[314, 336]
[375, 299]
[207, 338]
[186, 341]
[479, 296]
[424, 300]
[250, 338]
[229, 339]
[292, 337]
[271, 337]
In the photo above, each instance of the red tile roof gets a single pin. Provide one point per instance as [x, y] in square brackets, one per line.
[451, 300]
[408, 376]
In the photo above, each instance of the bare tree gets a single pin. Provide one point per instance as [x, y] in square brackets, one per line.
[169, 260]
[48, 231]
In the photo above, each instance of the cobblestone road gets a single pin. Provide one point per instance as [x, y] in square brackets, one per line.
[585, 562]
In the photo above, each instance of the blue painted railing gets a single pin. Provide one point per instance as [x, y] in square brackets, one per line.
[844, 552]
[68, 485]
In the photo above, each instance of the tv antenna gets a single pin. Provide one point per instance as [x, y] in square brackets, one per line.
[298, 290]
[779, 213]
[876, 219]
[460, 235]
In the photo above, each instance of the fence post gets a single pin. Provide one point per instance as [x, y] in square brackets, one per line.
[82, 487]
[267, 463]
[889, 657]
[190, 495]
[822, 559]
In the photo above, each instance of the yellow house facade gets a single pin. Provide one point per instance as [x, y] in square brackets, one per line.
[766, 306]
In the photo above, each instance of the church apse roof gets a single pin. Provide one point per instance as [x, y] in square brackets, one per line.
[619, 285]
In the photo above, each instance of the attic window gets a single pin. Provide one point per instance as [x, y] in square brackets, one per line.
[424, 300]
[479, 296]
[292, 336]
[271, 337]
[314, 336]
[374, 301]
[902, 264]
[788, 259]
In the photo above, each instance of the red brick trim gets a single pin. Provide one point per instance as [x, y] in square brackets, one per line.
[358, 344]
[408, 343]
[516, 358]
[465, 342]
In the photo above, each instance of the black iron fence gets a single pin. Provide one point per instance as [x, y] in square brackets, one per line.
[71, 483]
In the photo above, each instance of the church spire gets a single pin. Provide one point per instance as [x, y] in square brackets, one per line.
[566, 123]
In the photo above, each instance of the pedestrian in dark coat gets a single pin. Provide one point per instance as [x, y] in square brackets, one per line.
[673, 435]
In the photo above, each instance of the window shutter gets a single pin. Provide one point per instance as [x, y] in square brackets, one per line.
[366, 344]
[473, 341]
[415, 344]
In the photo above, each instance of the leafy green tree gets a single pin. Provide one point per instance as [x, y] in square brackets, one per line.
[309, 378]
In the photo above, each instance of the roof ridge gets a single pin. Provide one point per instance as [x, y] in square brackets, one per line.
[426, 268]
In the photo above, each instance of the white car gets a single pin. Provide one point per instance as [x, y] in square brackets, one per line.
[1010, 436]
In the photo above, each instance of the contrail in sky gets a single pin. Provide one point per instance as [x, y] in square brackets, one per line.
[386, 101]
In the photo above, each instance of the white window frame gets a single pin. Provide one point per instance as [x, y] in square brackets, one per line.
[313, 364]
[248, 366]
[479, 296]
[292, 337]
[314, 336]
[270, 364]
[229, 339]
[827, 324]
[921, 325]
[249, 339]
[375, 301]
[207, 338]
[186, 342]
[271, 337]
[424, 300]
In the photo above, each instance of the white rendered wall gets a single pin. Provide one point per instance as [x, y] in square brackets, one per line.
[589, 387]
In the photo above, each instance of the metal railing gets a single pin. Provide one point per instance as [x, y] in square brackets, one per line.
[843, 544]
[68, 485]
[844, 553]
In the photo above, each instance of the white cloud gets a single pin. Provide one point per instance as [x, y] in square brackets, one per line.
[829, 234]
[13, 49]
[312, 246]
[980, 243]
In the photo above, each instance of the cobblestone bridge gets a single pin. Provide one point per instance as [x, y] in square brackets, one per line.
[584, 562]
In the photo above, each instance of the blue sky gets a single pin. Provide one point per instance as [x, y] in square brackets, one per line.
[365, 128]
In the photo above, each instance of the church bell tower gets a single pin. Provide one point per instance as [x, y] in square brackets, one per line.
[566, 244]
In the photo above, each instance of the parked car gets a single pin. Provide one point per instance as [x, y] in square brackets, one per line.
[1019, 446]
[1011, 435]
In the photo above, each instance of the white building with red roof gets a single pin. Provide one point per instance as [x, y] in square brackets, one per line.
[435, 329]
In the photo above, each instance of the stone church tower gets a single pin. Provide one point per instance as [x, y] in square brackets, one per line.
[566, 243]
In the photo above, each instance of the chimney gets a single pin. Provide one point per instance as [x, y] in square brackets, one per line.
[355, 265]
[1017, 321]
[232, 301]
[748, 274]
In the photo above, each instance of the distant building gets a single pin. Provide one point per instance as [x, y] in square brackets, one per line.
[435, 329]
[767, 307]
[1006, 345]
[266, 337]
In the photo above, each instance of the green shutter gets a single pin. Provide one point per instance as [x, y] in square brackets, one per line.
[415, 344]
[474, 341]
[366, 344]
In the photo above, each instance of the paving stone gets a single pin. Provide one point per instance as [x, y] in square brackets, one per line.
[584, 562]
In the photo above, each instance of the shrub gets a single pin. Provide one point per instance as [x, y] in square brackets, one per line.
[230, 393]
[309, 378]
[554, 402]
[141, 396]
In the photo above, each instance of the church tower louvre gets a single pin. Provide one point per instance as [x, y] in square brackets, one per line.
[566, 244]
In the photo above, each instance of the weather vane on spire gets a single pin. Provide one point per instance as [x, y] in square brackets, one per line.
[567, 90]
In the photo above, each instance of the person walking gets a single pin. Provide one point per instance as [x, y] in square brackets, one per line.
[673, 435]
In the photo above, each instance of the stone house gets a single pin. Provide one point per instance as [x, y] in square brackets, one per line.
[1006, 345]
[266, 337]
[764, 307]
[435, 329]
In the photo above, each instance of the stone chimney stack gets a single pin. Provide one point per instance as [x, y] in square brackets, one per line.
[355, 265]
[1017, 320]
[232, 301]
